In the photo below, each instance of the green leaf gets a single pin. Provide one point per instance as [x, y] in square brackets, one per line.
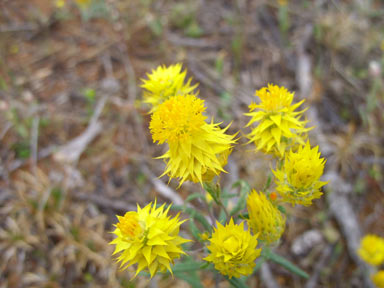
[194, 230]
[282, 209]
[283, 17]
[241, 203]
[156, 27]
[228, 196]
[269, 181]
[22, 150]
[195, 214]
[194, 196]
[58, 195]
[186, 266]
[90, 95]
[222, 217]
[194, 30]
[191, 278]
[214, 191]
[240, 183]
[237, 283]
[187, 271]
[268, 254]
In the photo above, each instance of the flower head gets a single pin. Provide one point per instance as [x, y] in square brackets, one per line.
[178, 119]
[83, 3]
[233, 250]
[149, 238]
[59, 3]
[165, 82]
[279, 125]
[265, 219]
[371, 249]
[197, 150]
[298, 180]
[378, 279]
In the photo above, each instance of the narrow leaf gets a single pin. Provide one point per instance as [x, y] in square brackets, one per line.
[237, 283]
[194, 196]
[284, 262]
[194, 230]
[195, 214]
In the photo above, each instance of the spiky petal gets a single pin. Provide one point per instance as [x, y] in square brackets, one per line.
[265, 219]
[233, 250]
[279, 125]
[149, 238]
[165, 82]
[298, 181]
[197, 150]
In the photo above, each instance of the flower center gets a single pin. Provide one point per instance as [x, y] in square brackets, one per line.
[129, 225]
[274, 98]
[177, 119]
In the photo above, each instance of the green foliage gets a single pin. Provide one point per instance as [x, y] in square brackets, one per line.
[242, 201]
[268, 254]
[194, 230]
[283, 17]
[96, 9]
[22, 150]
[58, 196]
[237, 282]
[183, 16]
[156, 26]
[194, 214]
[187, 270]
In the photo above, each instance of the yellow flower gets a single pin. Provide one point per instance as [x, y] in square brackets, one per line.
[298, 180]
[378, 279]
[279, 125]
[165, 82]
[197, 150]
[60, 3]
[265, 219]
[149, 238]
[83, 3]
[371, 249]
[233, 250]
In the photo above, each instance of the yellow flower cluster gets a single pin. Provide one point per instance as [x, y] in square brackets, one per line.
[233, 250]
[265, 219]
[372, 249]
[149, 238]
[298, 180]
[279, 125]
[165, 82]
[281, 131]
[198, 150]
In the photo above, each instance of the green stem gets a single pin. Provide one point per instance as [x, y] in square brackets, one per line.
[224, 208]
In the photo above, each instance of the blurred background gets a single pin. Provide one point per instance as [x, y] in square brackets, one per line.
[75, 148]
